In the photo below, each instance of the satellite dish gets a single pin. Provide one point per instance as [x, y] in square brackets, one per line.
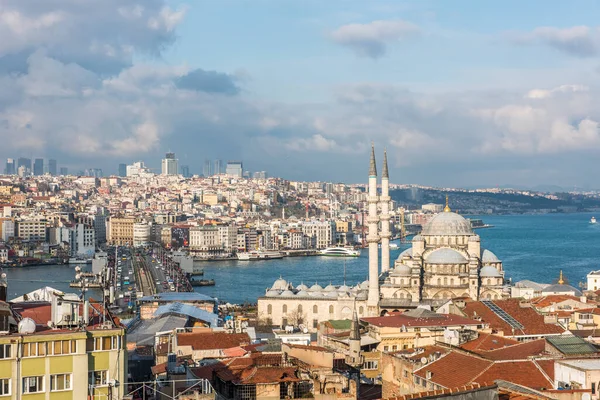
[424, 360]
[27, 325]
[3, 276]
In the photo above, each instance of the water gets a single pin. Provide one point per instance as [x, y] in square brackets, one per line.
[532, 247]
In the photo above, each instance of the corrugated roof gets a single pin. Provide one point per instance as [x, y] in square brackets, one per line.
[189, 310]
[571, 344]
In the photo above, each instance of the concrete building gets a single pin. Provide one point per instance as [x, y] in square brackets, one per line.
[120, 230]
[11, 167]
[32, 230]
[141, 233]
[122, 170]
[235, 169]
[38, 167]
[578, 374]
[432, 208]
[322, 231]
[169, 165]
[8, 229]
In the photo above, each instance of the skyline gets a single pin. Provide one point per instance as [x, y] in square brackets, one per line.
[474, 95]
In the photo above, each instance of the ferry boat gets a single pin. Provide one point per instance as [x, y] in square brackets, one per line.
[259, 255]
[80, 260]
[393, 246]
[339, 252]
[593, 220]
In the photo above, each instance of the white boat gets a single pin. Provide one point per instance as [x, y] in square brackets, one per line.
[259, 255]
[339, 252]
[80, 260]
[593, 220]
[393, 246]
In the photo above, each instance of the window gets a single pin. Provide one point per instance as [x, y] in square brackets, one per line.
[106, 343]
[405, 373]
[315, 309]
[5, 387]
[34, 349]
[33, 384]
[386, 348]
[98, 378]
[361, 310]
[284, 308]
[299, 308]
[60, 347]
[269, 309]
[5, 351]
[370, 365]
[330, 309]
[315, 323]
[394, 348]
[60, 382]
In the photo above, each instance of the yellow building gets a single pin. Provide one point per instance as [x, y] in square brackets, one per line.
[120, 230]
[61, 364]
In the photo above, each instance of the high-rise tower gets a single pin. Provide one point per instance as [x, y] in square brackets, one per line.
[385, 216]
[169, 165]
[373, 239]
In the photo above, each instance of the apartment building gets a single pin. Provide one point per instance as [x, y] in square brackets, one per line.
[120, 230]
[32, 230]
[322, 231]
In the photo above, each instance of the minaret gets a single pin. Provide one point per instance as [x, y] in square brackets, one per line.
[354, 356]
[373, 239]
[385, 216]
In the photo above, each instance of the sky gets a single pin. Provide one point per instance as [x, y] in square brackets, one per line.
[461, 94]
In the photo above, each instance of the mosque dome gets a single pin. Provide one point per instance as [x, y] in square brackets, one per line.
[272, 293]
[489, 272]
[364, 285]
[315, 288]
[301, 287]
[302, 293]
[343, 288]
[561, 289]
[488, 257]
[332, 294]
[280, 284]
[315, 294]
[402, 270]
[287, 293]
[445, 255]
[329, 288]
[406, 253]
[361, 296]
[356, 288]
[447, 224]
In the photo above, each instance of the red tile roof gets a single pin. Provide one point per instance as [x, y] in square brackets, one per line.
[519, 351]
[546, 301]
[454, 369]
[212, 340]
[524, 373]
[533, 323]
[444, 392]
[399, 320]
[486, 342]
[547, 366]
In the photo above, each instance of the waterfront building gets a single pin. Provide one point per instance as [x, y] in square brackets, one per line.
[32, 230]
[235, 169]
[323, 232]
[169, 165]
[432, 208]
[7, 226]
[38, 167]
[593, 280]
[52, 167]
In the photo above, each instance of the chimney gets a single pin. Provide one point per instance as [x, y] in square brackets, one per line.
[583, 299]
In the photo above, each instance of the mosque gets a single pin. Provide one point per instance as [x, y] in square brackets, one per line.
[445, 261]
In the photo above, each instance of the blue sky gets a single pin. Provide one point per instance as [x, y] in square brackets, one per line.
[460, 93]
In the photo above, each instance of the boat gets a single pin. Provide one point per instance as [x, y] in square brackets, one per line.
[339, 252]
[593, 220]
[202, 282]
[259, 255]
[393, 246]
[80, 260]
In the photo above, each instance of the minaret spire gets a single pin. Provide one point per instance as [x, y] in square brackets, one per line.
[384, 202]
[447, 208]
[373, 165]
[560, 278]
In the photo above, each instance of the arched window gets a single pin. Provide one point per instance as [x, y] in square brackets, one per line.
[299, 308]
[360, 310]
[284, 308]
[451, 281]
[269, 309]
[315, 309]
[445, 281]
[330, 309]
[439, 281]
[489, 281]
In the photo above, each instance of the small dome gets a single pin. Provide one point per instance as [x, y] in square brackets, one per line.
[489, 272]
[315, 288]
[301, 287]
[302, 293]
[287, 293]
[561, 289]
[445, 255]
[447, 224]
[356, 288]
[343, 288]
[364, 285]
[361, 296]
[417, 238]
[332, 294]
[329, 288]
[406, 253]
[272, 293]
[402, 270]
[315, 294]
[488, 257]
[280, 284]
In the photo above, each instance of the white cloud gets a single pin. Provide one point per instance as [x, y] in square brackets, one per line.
[371, 39]
[546, 93]
[579, 41]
